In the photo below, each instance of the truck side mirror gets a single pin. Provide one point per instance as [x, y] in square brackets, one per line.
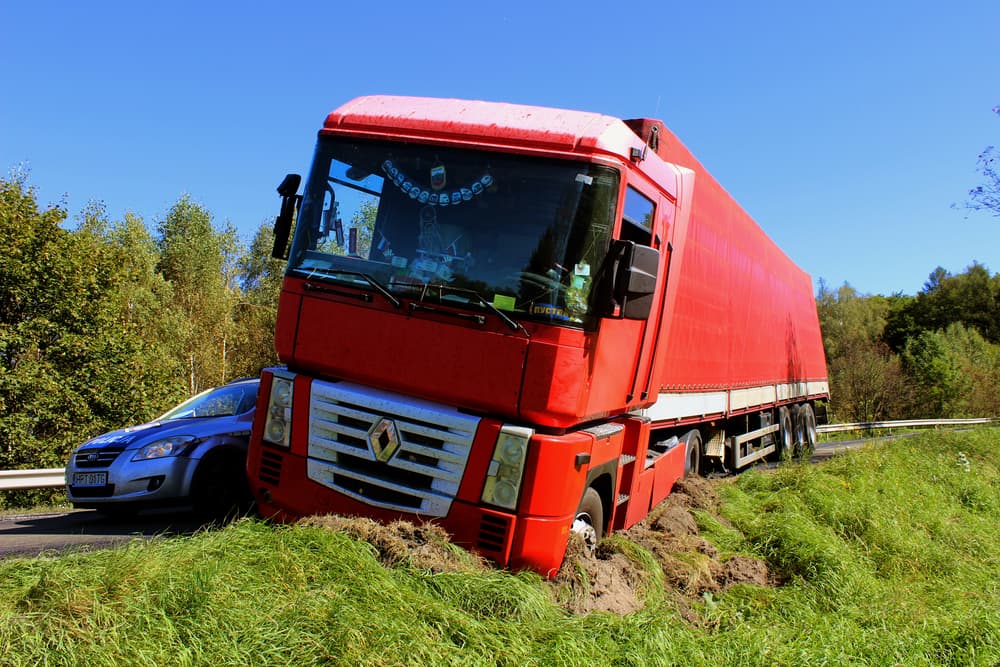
[283, 223]
[630, 284]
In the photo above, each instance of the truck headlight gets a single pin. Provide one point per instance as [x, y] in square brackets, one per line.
[172, 446]
[503, 479]
[277, 427]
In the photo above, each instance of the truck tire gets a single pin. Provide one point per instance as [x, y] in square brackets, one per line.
[589, 520]
[219, 489]
[805, 441]
[785, 437]
[692, 459]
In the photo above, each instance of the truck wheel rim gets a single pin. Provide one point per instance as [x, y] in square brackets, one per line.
[585, 529]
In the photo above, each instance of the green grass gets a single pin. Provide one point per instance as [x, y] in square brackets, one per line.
[887, 556]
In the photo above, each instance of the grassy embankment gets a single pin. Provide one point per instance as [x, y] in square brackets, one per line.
[886, 556]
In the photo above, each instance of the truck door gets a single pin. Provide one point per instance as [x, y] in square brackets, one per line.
[643, 222]
[625, 350]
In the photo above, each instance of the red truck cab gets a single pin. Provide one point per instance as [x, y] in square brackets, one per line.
[478, 325]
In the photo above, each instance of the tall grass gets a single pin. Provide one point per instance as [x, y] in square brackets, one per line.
[886, 556]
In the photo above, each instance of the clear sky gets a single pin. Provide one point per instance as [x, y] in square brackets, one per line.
[847, 129]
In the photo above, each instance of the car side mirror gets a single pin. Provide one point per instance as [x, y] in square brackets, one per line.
[629, 286]
[283, 223]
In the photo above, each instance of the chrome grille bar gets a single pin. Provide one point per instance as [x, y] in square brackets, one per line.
[421, 475]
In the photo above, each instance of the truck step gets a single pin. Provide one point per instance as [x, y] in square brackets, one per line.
[625, 459]
[622, 498]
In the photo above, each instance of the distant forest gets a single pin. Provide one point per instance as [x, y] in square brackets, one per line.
[936, 354]
[109, 323]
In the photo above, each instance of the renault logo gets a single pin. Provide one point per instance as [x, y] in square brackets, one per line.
[383, 438]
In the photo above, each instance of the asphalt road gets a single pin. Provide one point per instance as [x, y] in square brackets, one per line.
[31, 535]
[58, 532]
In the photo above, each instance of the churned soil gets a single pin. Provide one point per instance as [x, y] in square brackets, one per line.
[401, 543]
[608, 580]
[692, 566]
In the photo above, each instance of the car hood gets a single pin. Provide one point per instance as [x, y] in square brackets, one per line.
[134, 437]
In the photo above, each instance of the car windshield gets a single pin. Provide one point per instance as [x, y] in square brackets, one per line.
[232, 399]
[476, 229]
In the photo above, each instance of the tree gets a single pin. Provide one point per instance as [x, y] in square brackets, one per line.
[955, 372]
[866, 379]
[37, 288]
[197, 259]
[255, 314]
[971, 298]
[76, 357]
[986, 197]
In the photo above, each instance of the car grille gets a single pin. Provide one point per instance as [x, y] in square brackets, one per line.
[421, 467]
[98, 458]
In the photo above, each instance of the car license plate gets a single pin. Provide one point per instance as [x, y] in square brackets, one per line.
[90, 479]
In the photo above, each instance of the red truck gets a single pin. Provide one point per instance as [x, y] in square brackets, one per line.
[521, 322]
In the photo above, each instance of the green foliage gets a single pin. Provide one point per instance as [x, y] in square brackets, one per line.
[102, 326]
[888, 555]
[198, 260]
[956, 371]
[866, 378]
[932, 355]
[256, 311]
[971, 298]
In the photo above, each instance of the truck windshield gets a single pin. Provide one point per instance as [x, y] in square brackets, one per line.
[524, 234]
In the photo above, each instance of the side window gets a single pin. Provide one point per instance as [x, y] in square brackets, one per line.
[637, 219]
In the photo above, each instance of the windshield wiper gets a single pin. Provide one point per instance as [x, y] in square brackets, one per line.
[379, 287]
[507, 319]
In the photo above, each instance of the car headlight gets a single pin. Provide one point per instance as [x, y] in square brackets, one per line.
[503, 479]
[172, 446]
[279, 411]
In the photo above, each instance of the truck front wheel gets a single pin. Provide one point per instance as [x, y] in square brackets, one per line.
[589, 520]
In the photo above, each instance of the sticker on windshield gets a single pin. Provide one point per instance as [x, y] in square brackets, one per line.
[549, 310]
[504, 302]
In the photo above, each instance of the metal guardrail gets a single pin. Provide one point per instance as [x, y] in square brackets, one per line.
[905, 423]
[11, 480]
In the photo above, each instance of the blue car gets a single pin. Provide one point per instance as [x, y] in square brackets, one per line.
[194, 455]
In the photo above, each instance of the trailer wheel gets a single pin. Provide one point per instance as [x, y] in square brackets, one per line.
[692, 460]
[805, 431]
[785, 437]
[589, 520]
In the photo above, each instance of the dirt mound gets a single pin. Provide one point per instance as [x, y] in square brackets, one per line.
[604, 581]
[609, 580]
[423, 546]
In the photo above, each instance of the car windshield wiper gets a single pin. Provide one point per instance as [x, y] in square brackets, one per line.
[379, 287]
[507, 319]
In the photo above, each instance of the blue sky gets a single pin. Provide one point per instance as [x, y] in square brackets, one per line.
[846, 129]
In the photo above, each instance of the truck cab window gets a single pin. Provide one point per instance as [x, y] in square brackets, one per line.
[637, 218]
[521, 234]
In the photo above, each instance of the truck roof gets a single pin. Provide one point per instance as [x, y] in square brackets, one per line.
[484, 122]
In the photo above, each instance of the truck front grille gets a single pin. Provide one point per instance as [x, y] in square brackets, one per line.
[387, 450]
